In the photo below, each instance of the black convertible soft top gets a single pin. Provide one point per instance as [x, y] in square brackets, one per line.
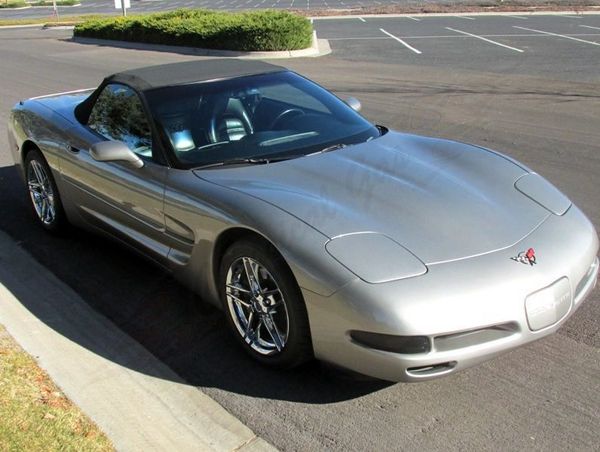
[150, 77]
[190, 71]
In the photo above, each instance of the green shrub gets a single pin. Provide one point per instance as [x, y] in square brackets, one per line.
[257, 30]
[12, 3]
[58, 2]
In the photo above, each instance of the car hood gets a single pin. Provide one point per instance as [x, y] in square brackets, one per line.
[439, 199]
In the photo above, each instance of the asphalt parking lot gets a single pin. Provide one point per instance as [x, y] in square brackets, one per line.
[541, 106]
[145, 6]
[565, 46]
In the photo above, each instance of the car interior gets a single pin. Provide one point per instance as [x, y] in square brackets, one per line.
[214, 120]
[259, 119]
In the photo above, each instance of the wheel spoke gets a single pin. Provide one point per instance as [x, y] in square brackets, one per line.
[247, 271]
[36, 186]
[234, 287]
[39, 174]
[251, 269]
[51, 211]
[44, 208]
[239, 300]
[35, 174]
[254, 267]
[269, 324]
[249, 325]
[258, 338]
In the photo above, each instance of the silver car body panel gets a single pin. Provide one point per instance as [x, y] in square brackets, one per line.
[445, 220]
[459, 297]
[440, 200]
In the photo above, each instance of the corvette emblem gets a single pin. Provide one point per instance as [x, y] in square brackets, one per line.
[526, 257]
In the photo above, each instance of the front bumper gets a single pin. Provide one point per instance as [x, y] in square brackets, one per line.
[472, 310]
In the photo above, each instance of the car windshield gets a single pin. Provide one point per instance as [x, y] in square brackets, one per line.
[262, 118]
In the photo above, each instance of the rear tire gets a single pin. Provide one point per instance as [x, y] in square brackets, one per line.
[264, 306]
[43, 194]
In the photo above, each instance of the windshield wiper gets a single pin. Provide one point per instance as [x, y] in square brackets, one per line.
[333, 147]
[237, 161]
[266, 160]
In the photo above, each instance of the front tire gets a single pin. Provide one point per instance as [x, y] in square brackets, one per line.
[43, 194]
[264, 306]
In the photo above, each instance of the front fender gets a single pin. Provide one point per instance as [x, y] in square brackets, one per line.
[35, 123]
[198, 212]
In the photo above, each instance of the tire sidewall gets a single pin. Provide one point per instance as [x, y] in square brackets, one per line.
[298, 347]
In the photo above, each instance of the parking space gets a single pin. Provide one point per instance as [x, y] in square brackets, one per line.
[519, 44]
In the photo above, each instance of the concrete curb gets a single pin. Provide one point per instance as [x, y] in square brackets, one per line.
[44, 26]
[2, 27]
[319, 47]
[133, 397]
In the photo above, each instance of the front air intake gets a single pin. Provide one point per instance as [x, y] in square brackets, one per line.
[429, 371]
[475, 337]
[392, 343]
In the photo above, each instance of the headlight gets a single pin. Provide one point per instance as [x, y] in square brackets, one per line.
[375, 258]
[543, 192]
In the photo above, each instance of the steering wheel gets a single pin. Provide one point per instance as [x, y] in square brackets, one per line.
[286, 114]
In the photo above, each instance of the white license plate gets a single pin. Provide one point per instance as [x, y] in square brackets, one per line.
[547, 306]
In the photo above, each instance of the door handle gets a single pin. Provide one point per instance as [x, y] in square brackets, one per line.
[73, 150]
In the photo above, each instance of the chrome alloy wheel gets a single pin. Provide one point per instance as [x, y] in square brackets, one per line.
[41, 192]
[257, 306]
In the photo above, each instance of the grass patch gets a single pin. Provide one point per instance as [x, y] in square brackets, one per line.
[34, 413]
[246, 31]
[50, 21]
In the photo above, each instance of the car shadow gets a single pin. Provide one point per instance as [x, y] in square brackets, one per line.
[188, 335]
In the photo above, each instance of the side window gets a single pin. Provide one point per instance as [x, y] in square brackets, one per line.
[118, 114]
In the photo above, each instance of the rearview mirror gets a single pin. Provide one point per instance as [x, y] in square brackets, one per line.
[115, 151]
[354, 103]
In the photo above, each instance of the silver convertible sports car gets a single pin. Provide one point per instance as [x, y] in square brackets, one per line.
[318, 233]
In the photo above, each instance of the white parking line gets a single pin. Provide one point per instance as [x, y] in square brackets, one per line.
[513, 35]
[485, 39]
[516, 17]
[589, 26]
[572, 17]
[401, 41]
[560, 36]
[465, 17]
[361, 19]
[361, 38]
[413, 18]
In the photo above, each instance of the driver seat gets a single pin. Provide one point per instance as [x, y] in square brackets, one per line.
[229, 121]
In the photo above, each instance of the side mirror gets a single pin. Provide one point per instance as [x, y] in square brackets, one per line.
[354, 103]
[115, 151]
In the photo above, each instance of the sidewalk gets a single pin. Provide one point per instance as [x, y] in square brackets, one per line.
[133, 397]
